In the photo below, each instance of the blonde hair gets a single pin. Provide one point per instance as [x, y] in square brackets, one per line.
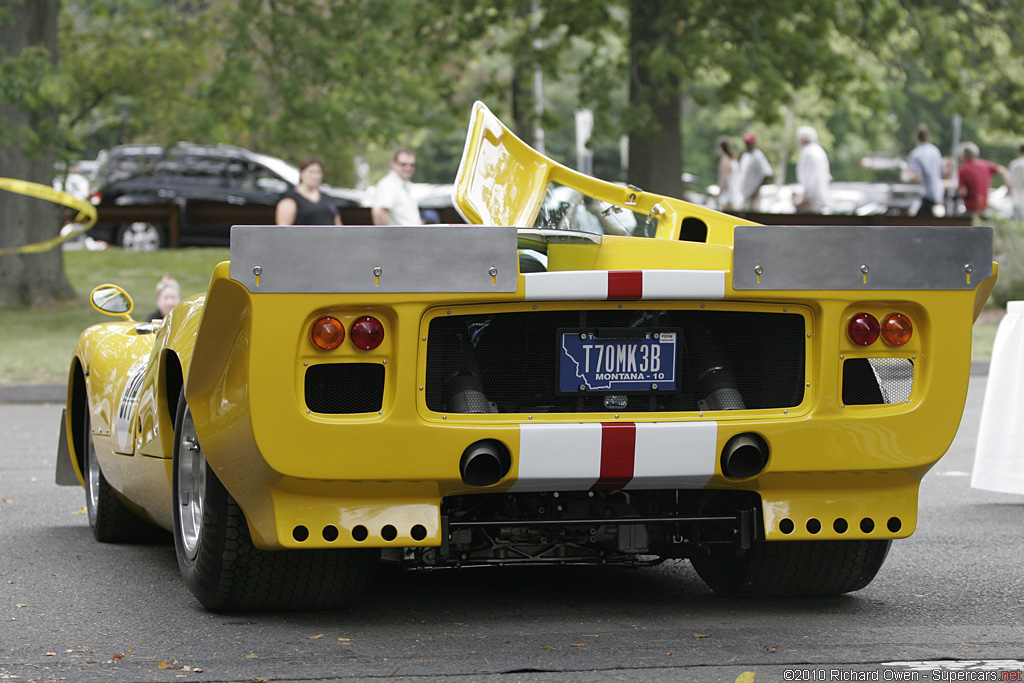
[168, 281]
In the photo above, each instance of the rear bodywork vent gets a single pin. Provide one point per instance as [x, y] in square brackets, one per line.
[344, 388]
[877, 381]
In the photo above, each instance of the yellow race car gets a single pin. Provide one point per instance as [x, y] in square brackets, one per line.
[587, 374]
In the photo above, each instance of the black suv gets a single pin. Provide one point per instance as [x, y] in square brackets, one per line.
[150, 196]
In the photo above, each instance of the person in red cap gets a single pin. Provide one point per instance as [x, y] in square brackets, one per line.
[754, 172]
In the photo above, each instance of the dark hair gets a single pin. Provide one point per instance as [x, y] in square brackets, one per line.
[309, 161]
[725, 144]
[923, 134]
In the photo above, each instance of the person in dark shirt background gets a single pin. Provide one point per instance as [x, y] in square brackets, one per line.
[305, 204]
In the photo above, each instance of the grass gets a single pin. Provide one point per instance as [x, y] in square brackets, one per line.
[37, 344]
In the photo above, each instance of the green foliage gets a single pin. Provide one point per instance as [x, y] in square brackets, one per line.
[1008, 248]
[130, 65]
[341, 79]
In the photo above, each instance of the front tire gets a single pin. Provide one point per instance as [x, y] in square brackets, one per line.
[219, 562]
[141, 236]
[110, 519]
[793, 569]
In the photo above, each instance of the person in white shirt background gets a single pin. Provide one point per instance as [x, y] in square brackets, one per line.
[1017, 185]
[729, 196]
[925, 166]
[812, 172]
[755, 171]
[393, 203]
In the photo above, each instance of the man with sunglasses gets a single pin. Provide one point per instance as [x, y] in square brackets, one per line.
[393, 203]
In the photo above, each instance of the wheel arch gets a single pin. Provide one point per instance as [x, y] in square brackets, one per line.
[173, 381]
[78, 403]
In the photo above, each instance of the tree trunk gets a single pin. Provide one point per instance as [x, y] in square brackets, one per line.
[656, 140]
[28, 279]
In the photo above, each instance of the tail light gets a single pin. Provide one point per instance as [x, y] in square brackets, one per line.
[96, 198]
[327, 333]
[897, 329]
[367, 333]
[863, 329]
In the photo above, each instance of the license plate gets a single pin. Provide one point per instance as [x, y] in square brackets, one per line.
[617, 360]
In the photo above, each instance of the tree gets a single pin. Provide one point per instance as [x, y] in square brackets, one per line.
[29, 88]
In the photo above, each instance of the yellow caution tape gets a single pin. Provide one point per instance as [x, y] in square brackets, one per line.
[86, 212]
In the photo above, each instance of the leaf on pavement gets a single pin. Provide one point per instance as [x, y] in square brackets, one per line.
[316, 637]
[700, 635]
[163, 665]
[81, 512]
[547, 647]
[579, 644]
[745, 677]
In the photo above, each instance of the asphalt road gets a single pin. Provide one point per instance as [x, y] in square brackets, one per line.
[948, 605]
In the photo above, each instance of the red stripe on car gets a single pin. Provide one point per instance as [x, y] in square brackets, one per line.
[625, 284]
[618, 450]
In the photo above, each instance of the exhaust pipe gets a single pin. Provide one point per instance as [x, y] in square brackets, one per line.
[744, 456]
[468, 396]
[485, 462]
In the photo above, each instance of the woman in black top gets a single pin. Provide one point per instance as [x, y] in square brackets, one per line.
[305, 204]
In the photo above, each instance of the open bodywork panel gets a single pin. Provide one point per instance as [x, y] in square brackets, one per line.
[587, 374]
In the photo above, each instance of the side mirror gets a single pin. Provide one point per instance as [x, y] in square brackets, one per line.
[112, 300]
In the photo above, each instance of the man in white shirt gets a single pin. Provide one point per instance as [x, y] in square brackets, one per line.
[393, 203]
[925, 162]
[812, 172]
[754, 172]
[1017, 185]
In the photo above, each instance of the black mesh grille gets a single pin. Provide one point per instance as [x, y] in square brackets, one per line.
[739, 359]
[877, 381]
[341, 388]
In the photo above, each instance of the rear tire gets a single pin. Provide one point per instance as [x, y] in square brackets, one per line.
[793, 569]
[110, 519]
[219, 562]
[141, 236]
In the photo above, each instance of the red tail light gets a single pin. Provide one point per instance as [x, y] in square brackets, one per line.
[367, 333]
[96, 198]
[327, 333]
[897, 329]
[863, 329]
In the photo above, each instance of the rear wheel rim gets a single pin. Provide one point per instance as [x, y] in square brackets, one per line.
[140, 237]
[191, 493]
[92, 474]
